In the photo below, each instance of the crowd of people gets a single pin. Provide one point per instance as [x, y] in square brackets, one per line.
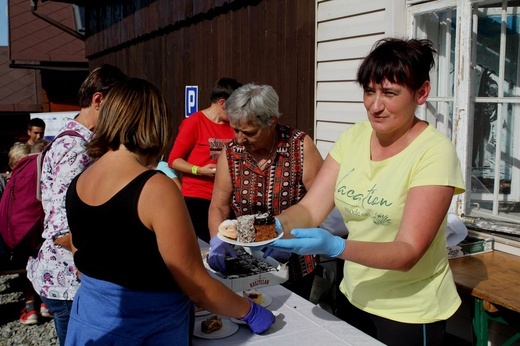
[120, 263]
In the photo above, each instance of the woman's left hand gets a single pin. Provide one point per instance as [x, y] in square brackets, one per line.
[311, 241]
[64, 241]
[218, 251]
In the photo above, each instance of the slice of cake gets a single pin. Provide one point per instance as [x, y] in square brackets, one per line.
[246, 228]
[228, 228]
[255, 228]
[264, 227]
[254, 295]
[211, 324]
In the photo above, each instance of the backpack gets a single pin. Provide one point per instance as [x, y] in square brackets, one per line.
[21, 214]
[21, 211]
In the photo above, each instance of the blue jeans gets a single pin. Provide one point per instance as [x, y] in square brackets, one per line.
[61, 311]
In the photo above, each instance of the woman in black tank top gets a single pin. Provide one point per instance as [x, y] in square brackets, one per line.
[133, 240]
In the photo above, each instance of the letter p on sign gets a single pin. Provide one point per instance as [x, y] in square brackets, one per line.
[192, 100]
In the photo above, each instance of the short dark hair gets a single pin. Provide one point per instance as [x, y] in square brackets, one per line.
[35, 122]
[102, 79]
[405, 62]
[223, 88]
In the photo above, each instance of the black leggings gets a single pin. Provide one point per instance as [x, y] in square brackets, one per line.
[390, 332]
[198, 209]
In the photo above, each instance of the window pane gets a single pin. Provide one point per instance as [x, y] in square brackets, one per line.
[483, 178]
[439, 27]
[484, 117]
[495, 188]
[488, 47]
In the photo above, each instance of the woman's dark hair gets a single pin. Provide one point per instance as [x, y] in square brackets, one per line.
[404, 62]
[102, 79]
[223, 88]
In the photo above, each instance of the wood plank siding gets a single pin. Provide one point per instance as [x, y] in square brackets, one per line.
[194, 42]
[345, 33]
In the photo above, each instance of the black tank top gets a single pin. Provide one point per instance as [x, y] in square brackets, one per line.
[113, 244]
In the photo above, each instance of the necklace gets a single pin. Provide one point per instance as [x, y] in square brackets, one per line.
[267, 160]
[137, 158]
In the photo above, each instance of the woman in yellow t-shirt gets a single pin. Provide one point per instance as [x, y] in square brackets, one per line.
[392, 178]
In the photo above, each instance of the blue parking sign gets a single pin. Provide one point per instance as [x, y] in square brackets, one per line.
[192, 99]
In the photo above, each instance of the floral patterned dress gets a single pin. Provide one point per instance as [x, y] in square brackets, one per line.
[52, 272]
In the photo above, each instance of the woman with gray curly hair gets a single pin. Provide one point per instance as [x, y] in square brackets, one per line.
[267, 168]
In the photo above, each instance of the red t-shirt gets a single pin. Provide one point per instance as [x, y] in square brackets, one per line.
[199, 142]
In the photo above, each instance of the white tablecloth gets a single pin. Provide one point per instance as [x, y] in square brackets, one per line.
[299, 323]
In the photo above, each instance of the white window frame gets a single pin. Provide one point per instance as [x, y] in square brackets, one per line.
[461, 95]
[463, 104]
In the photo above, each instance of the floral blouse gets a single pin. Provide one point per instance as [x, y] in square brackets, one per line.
[53, 273]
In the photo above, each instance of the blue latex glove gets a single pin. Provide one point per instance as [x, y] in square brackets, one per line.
[311, 241]
[259, 319]
[277, 225]
[218, 251]
[280, 256]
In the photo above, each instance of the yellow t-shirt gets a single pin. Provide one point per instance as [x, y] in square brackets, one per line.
[371, 197]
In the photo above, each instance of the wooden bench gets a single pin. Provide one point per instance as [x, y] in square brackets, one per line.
[493, 280]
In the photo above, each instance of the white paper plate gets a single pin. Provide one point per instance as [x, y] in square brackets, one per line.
[258, 243]
[266, 301]
[234, 320]
[202, 313]
[228, 328]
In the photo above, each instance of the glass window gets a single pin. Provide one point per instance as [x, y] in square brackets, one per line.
[486, 92]
[439, 27]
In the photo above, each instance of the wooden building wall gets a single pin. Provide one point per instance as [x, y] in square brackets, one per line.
[346, 31]
[178, 43]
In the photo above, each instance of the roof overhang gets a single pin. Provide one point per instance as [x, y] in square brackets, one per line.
[58, 66]
[78, 32]
[75, 2]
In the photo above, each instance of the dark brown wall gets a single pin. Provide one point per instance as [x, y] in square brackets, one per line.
[185, 42]
[20, 89]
